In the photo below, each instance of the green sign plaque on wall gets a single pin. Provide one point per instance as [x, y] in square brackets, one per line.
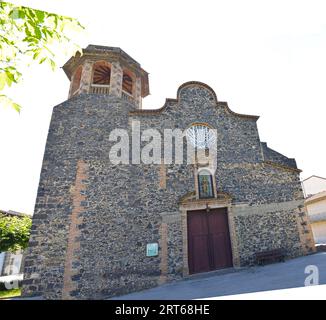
[151, 249]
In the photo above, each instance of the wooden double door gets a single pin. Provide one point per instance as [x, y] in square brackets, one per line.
[209, 245]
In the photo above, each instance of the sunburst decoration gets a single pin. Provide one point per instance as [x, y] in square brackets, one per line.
[102, 75]
[201, 137]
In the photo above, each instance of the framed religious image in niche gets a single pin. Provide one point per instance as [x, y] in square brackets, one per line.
[205, 185]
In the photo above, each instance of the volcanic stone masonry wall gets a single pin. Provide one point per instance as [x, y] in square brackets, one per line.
[266, 227]
[124, 207]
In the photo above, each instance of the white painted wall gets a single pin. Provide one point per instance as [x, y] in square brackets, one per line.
[319, 232]
[317, 215]
[313, 185]
[317, 207]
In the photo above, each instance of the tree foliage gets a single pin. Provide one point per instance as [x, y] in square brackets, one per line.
[14, 232]
[28, 35]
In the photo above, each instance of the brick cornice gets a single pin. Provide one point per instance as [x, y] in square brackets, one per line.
[79, 59]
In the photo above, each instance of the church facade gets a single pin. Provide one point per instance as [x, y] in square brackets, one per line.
[106, 227]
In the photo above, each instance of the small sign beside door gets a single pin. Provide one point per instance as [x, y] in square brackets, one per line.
[151, 249]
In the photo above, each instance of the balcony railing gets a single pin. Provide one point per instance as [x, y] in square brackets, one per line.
[100, 88]
[74, 93]
[105, 89]
[127, 96]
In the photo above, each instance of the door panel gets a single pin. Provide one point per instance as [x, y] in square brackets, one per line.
[198, 243]
[200, 254]
[220, 238]
[209, 245]
[220, 254]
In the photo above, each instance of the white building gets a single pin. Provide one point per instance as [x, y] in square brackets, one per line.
[315, 192]
[313, 185]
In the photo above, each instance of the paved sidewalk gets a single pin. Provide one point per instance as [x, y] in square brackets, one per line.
[290, 274]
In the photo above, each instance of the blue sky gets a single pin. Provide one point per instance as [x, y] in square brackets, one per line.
[263, 57]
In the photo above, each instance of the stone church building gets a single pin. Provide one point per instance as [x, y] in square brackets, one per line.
[102, 229]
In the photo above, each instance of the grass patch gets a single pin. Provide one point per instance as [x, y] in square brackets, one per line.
[10, 293]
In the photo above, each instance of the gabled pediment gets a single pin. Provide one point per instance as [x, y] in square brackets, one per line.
[193, 94]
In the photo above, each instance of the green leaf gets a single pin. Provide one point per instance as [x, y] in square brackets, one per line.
[27, 32]
[16, 107]
[6, 78]
[21, 14]
[10, 77]
[7, 102]
[37, 32]
[36, 54]
[25, 36]
[40, 15]
[14, 232]
[30, 12]
[2, 81]
[17, 13]
[31, 39]
[52, 64]
[56, 21]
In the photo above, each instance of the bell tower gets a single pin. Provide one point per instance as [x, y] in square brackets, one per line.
[107, 70]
